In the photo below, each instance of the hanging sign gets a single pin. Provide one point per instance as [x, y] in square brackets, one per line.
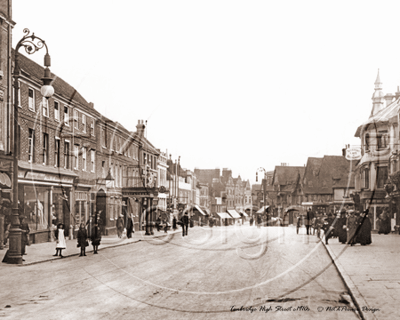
[353, 153]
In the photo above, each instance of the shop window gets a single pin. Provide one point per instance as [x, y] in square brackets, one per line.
[36, 207]
[81, 209]
[382, 175]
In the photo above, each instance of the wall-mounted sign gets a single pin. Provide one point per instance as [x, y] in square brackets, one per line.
[353, 153]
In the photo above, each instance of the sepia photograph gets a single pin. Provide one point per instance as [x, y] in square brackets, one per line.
[215, 159]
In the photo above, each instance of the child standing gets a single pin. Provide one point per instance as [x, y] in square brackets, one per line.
[82, 239]
[60, 240]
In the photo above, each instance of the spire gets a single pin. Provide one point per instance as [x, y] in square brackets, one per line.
[378, 83]
[377, 97]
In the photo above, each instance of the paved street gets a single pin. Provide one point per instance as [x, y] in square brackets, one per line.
[211, 273]
[372, 273]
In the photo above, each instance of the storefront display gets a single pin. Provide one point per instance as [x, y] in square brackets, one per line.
[36, 207]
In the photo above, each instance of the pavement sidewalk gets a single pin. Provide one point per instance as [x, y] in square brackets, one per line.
[372, 274]
[43, 252]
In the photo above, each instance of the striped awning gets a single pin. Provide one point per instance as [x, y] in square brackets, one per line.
[224, 215]
[234, 214]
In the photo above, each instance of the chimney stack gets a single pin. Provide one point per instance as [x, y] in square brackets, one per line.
[140, 128]
[91, 104]
[389, 98]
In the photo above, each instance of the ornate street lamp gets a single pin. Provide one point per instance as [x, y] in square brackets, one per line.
[31, 43]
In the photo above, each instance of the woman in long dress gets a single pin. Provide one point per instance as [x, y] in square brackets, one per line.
[351, 224]
[82, 239]
[341, 227]
[60, 240]
[364, 234]
[96, 233]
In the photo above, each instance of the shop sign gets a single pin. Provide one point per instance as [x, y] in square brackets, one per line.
[353, 153]
[35, 175]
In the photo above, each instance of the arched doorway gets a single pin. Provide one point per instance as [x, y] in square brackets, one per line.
[101, 205]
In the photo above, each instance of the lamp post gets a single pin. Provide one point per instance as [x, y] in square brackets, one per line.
[31, 43]
[264, 186]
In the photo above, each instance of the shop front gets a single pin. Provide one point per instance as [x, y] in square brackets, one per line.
[147, 201]
[45, 201]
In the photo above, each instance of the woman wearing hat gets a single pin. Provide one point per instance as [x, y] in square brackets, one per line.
[60, 240]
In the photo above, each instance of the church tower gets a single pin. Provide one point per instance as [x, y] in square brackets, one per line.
[378, 100]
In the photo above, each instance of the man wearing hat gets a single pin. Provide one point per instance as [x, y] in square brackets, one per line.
[185, 224]
[25, 235]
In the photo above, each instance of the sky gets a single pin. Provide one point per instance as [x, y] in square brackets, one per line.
[225, 84]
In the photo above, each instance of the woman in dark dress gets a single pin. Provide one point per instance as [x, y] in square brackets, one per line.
[96, 234]
[129, 227]
[364, 233]
[82, 239]
[341, 227]
[174, 223]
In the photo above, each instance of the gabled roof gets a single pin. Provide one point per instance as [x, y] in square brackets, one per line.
[334, 172]
[61, 87]
[310, 179]
[286, 175]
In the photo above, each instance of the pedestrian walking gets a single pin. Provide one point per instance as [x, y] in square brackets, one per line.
[309, 217]
[351, 226]
[298, 224]
[328, 228]
[185, 224]
[174, 223]
[96, 233]
[60, 240]
[364, 232]
[82, 239]
[129, 227]
[341, 227]
[251, 220]
[120, 226]
[166, 225]
[25, 235]
[258, 221]
[158, 223]
[384, 222]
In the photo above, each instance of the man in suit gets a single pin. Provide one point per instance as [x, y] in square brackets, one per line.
[309, 218]
[185, 224]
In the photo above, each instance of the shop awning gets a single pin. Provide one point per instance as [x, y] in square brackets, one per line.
[224, 215]
[205, 210]
[243, 213]
[199, 209]
[234, 214]
[262, 210]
